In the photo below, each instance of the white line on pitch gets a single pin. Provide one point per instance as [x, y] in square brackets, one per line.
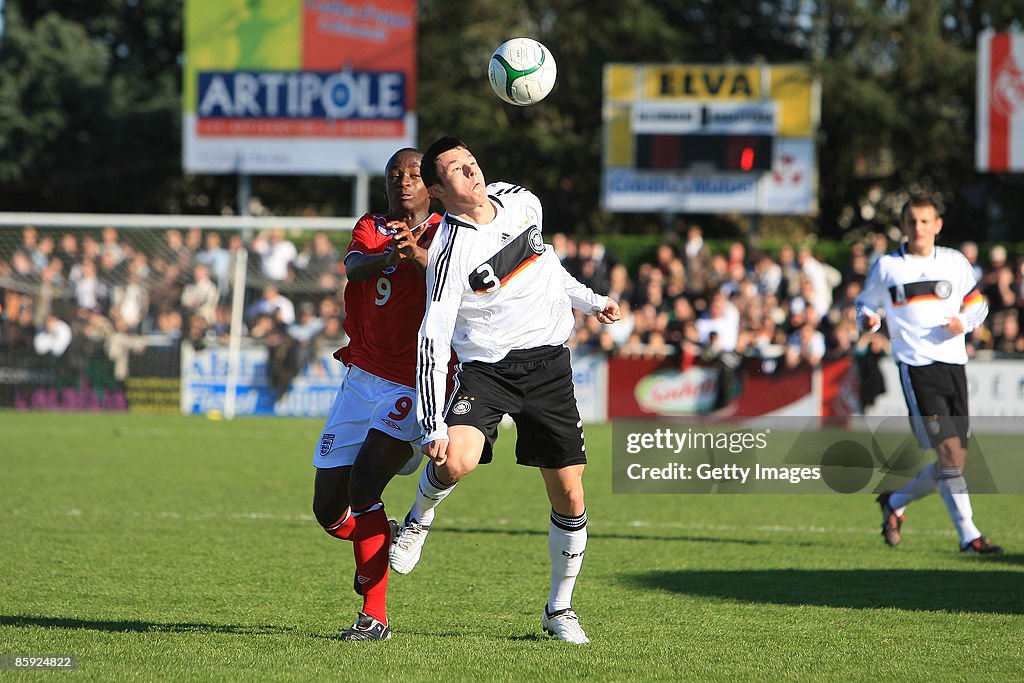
[466, 522]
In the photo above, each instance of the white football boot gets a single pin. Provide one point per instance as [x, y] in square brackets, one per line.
[564, 625]
[408, 546]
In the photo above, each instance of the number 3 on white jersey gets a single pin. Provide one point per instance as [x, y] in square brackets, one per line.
[384, 290]
[489, 277]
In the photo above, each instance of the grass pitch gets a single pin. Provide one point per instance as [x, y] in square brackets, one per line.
[179, 548]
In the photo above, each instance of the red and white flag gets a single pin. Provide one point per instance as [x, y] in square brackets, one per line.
[999, 143]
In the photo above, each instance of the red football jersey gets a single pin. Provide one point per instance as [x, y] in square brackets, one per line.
[383, 312]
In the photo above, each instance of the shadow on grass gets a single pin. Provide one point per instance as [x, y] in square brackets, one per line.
[525, 637]
[1016, 559]
[511, 531]
[992, 592]
[427, 633]
[136, 626]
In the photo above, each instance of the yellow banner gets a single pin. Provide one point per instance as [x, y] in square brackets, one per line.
[701, 82]
[790, 86]
[793, 88]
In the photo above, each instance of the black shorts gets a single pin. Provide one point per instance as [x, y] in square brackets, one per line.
[936, 397]
[534, 386]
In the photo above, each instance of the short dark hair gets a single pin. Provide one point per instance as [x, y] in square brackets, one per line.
[920, 199]
[394, 158]
[428, 166]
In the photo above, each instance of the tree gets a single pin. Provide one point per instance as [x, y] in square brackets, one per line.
[89, 102]
[898, 112]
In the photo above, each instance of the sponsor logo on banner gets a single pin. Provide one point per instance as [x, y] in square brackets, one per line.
[205, 376]
[671, 392]
[642, 387]
[301, 95]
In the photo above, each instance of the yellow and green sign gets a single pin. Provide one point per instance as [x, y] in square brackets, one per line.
[298, 86]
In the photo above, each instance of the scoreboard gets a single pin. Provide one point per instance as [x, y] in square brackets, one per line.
[702, 138]
[667, 151]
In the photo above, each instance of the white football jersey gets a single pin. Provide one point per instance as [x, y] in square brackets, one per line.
[920, 294]
[492, 289]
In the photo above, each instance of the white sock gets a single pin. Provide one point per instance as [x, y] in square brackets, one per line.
[429, 495]
[920, 486]
[567, 541]
[953, 488]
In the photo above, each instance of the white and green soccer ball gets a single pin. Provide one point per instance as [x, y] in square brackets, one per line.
[522, 71]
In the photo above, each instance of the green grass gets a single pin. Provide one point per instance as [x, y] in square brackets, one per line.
[160, 548]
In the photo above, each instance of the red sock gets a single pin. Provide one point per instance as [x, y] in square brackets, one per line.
[370, 545]
[344, 527]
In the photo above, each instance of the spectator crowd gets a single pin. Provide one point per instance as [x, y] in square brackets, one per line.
[788, 310]
[82, 295]
[80, 299]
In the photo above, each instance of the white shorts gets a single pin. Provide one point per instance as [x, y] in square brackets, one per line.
[366, 402]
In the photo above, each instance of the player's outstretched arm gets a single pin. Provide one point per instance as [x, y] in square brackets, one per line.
[360, 265]
[364, 266]
[584, 299]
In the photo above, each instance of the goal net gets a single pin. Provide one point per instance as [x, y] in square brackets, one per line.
[205, 315]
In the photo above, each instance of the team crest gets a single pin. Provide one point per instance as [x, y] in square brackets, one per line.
[326, 442]
[943, 288]
[536, 240]
[461, 407]
[382, 227]
[933, 425]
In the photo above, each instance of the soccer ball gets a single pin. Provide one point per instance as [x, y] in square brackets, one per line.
[522, 71]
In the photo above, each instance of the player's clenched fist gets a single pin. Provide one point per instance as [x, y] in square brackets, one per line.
[870, 322]
[436, 451]
[610, 313]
